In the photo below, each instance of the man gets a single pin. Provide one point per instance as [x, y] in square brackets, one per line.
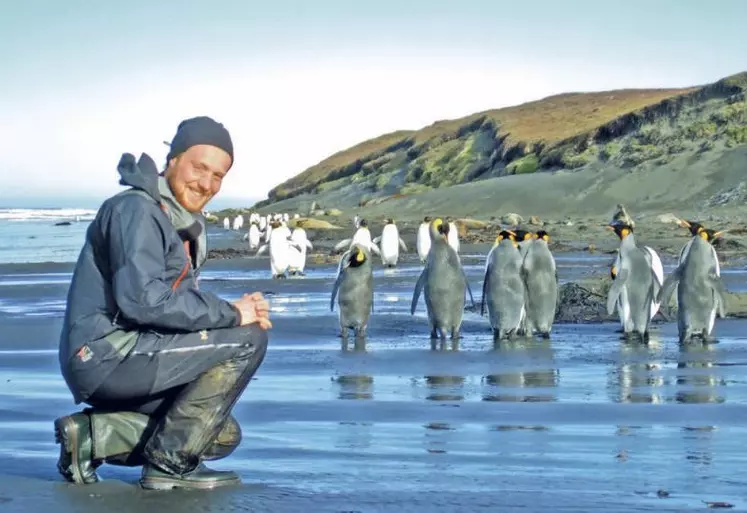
[161, 362]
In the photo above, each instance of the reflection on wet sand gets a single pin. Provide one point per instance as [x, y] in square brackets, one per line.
[445, 388]
[354, 386]
[537, 382]
[637, 377]
[697, 379]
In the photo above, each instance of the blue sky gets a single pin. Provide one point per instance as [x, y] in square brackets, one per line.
[84, 81]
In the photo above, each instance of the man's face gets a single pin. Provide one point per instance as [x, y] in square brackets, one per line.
[196, 175]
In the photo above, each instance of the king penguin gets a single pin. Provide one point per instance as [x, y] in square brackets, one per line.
[502, 287]
[253, 235]
[700, 291]
[280, 247]
[390, 243]
[655, 260]
[540, 276]
[635, 286]
[353, 289]
[443, 283]
[362, 236]
[298, 251]
[424, 239]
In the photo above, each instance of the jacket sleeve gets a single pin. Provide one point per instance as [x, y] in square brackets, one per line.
[138, 262]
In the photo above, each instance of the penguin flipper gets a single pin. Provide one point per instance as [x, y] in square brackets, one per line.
[667, 288]
[340, 245]
[416, 293]
[262, 249]
[615, 290]
[335, 288]
[376, 240]
[375, 248]
[309, 245]
[484, 290]
[403, 245]
[718, 288]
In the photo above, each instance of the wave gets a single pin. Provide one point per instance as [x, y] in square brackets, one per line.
[47, 214]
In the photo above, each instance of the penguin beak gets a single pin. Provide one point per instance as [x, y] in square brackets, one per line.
[613, 271]
[683, 223]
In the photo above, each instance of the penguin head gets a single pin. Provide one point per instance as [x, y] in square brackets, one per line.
[439, 228]
[275, 224]
[709, 235]
[621, 229]
[521, 235]
[542, 235]
[694, 226]
[357, 256]
[389, 220]
[427, 219]
[362, 223]
[507, 235]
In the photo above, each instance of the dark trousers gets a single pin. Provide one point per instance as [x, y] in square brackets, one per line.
[187, 383]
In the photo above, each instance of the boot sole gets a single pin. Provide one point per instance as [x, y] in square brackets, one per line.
[156, 483]
[66, 435]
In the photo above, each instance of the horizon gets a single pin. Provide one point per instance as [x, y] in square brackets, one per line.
[295, 85]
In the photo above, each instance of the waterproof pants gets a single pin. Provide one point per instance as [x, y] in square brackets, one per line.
[169, 402]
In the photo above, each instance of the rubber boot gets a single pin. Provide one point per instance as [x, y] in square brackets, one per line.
[192, 424]
[76, 462]
[89, 438]
[119, 438]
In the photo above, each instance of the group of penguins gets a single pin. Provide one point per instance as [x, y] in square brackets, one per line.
[520, 284]
[520, 280]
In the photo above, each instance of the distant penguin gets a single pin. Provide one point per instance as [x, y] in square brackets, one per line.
[700, 291]
[635, 286]
[253, 236]
[540, 277]
[362, 236]
[296, 216]
[390, 243]
[238, 222]
[424, 239]
[453, 236]
[226, 223]
[262, 223]
[356, 221]
[353, 289]
[298, 251]
[443, 283]
[280, 250]
[286, 218]
[503, 288]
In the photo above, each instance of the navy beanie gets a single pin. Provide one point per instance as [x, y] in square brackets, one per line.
[200, 130]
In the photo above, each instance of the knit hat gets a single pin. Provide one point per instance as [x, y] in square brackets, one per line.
[200, 130]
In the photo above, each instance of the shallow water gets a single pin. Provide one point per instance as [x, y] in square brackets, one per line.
[580, 422]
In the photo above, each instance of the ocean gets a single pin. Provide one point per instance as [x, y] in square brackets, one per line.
[34, 235]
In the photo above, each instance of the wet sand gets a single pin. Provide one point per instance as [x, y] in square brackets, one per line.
[578, 423]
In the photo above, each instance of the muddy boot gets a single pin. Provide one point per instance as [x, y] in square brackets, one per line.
[119, 438]
[73, 433]
[202, 478]
[192, 424]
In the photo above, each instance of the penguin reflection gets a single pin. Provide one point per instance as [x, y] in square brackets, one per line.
[354, 386]
[534, 384]
[697, 378]
[637, 377]
[445, 388]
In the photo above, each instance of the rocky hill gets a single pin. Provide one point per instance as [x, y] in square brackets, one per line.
[623, 131]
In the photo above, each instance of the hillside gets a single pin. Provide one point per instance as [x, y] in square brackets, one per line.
[624, 130]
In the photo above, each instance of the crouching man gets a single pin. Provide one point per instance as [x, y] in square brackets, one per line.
[160, 362]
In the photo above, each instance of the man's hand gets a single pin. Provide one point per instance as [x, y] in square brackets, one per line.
[254, 308]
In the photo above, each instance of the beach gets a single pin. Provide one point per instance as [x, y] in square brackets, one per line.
[580, 422]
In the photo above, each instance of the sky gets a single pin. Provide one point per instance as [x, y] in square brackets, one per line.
[84, 81]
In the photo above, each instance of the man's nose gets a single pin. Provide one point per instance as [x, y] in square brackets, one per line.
[205, 181]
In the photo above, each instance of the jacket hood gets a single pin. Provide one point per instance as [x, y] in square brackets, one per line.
[142, 174]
